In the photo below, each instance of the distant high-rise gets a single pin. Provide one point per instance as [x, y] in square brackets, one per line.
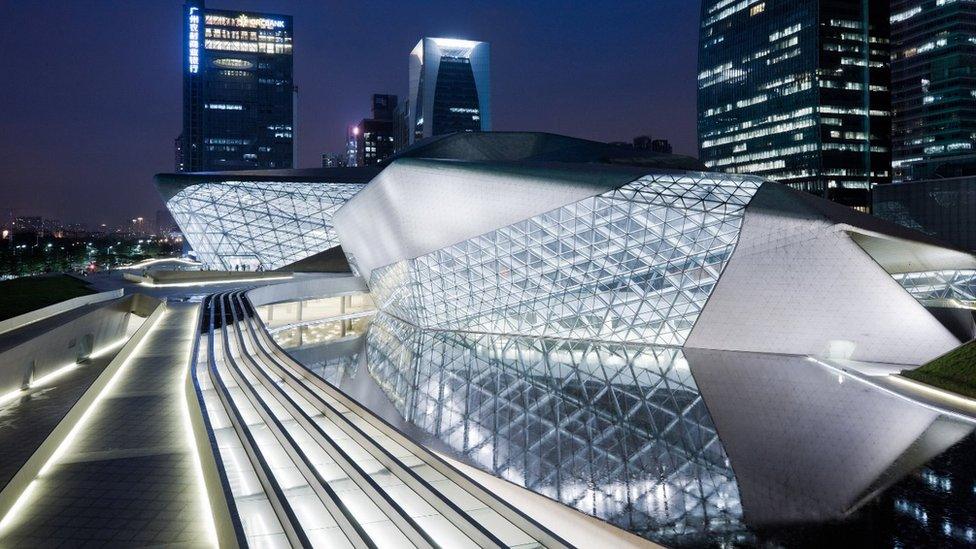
[376, 140]
[333, 160]
[238, 91]
[933, 84]
[647, 143]
[797, 91]
[352, 146]
[449, 87]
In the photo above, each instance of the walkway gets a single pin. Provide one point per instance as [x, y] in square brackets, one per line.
[125, 475]
[307, 466]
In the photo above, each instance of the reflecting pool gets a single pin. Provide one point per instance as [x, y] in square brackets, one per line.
[685, 447]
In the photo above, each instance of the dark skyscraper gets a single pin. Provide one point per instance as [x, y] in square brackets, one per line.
[238, 92]
[449, 87]
[933, 86]
[797, 91]
[377, 135]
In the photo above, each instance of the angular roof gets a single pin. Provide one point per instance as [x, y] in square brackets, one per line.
[169, 184]
[542, 147]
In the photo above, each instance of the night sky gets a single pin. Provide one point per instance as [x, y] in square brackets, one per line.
[91, 90]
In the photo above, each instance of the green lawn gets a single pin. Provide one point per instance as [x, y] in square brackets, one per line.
[954, 371]
[22, 295]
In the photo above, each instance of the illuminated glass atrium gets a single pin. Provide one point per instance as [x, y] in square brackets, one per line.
[259, 220]
[797, 91]
[238, 92]
[933, 65]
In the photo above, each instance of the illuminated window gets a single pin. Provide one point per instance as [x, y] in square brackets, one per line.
[757, 9]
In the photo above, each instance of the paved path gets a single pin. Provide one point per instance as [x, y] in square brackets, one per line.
[127, 478]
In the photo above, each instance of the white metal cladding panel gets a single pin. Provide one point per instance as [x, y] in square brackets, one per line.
[272, 223]
[634, 264]
[415, 207]
[803, 286]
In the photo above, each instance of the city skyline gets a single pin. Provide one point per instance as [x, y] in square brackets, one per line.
[107, 127]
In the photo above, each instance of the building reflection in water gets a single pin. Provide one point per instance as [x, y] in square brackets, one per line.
[617, 431]
[685, 447]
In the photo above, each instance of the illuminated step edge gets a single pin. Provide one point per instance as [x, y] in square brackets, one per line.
[17, 493]
[265, 384]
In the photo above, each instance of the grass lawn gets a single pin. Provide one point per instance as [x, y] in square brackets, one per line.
[954, 371]
[22, 295]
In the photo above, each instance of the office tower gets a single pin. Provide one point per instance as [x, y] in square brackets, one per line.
[449, 87]
[797, 91]
[333, 160]
[238, 92]
[933, 87]
[376, 140]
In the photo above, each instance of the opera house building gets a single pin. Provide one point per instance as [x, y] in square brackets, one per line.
[530, 340]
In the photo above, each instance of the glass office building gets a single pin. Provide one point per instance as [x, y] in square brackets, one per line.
[238, 92]
[797, 91]
[933, 65]
[449, 87]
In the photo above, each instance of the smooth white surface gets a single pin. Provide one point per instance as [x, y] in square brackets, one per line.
[417, 206]
[799, 285]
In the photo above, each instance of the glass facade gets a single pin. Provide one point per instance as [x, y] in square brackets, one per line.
[933, 88]
[238, 92]
[449, 87]
[943, 208]
[619, 432]
[953, 285]
[633, 264]
[252, 225]
[797, 91]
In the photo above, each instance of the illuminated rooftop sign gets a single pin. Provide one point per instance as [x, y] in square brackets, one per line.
[244, 21]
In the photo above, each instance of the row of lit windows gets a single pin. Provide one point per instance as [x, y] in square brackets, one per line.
[251, 36]
[250, 47]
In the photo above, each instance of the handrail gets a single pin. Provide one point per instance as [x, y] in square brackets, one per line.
[471, 528]
[58, 308]
[286, 515]
[500, 506]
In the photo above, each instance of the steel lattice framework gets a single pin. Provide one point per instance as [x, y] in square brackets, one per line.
[634, 264]
[266, 224]
[958, 285]
[617, 431]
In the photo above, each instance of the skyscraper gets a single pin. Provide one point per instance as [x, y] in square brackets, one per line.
[797, 91]
[933, 65]
[377, 135]
[449, 87]
[238, 92]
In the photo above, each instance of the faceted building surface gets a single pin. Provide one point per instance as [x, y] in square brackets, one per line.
[619, 432]
[259, 220]
[636, 263]
[624, 251]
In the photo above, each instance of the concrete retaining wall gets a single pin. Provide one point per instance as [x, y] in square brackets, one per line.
[69, 342]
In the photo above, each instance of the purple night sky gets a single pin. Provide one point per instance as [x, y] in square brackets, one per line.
[91, 96]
